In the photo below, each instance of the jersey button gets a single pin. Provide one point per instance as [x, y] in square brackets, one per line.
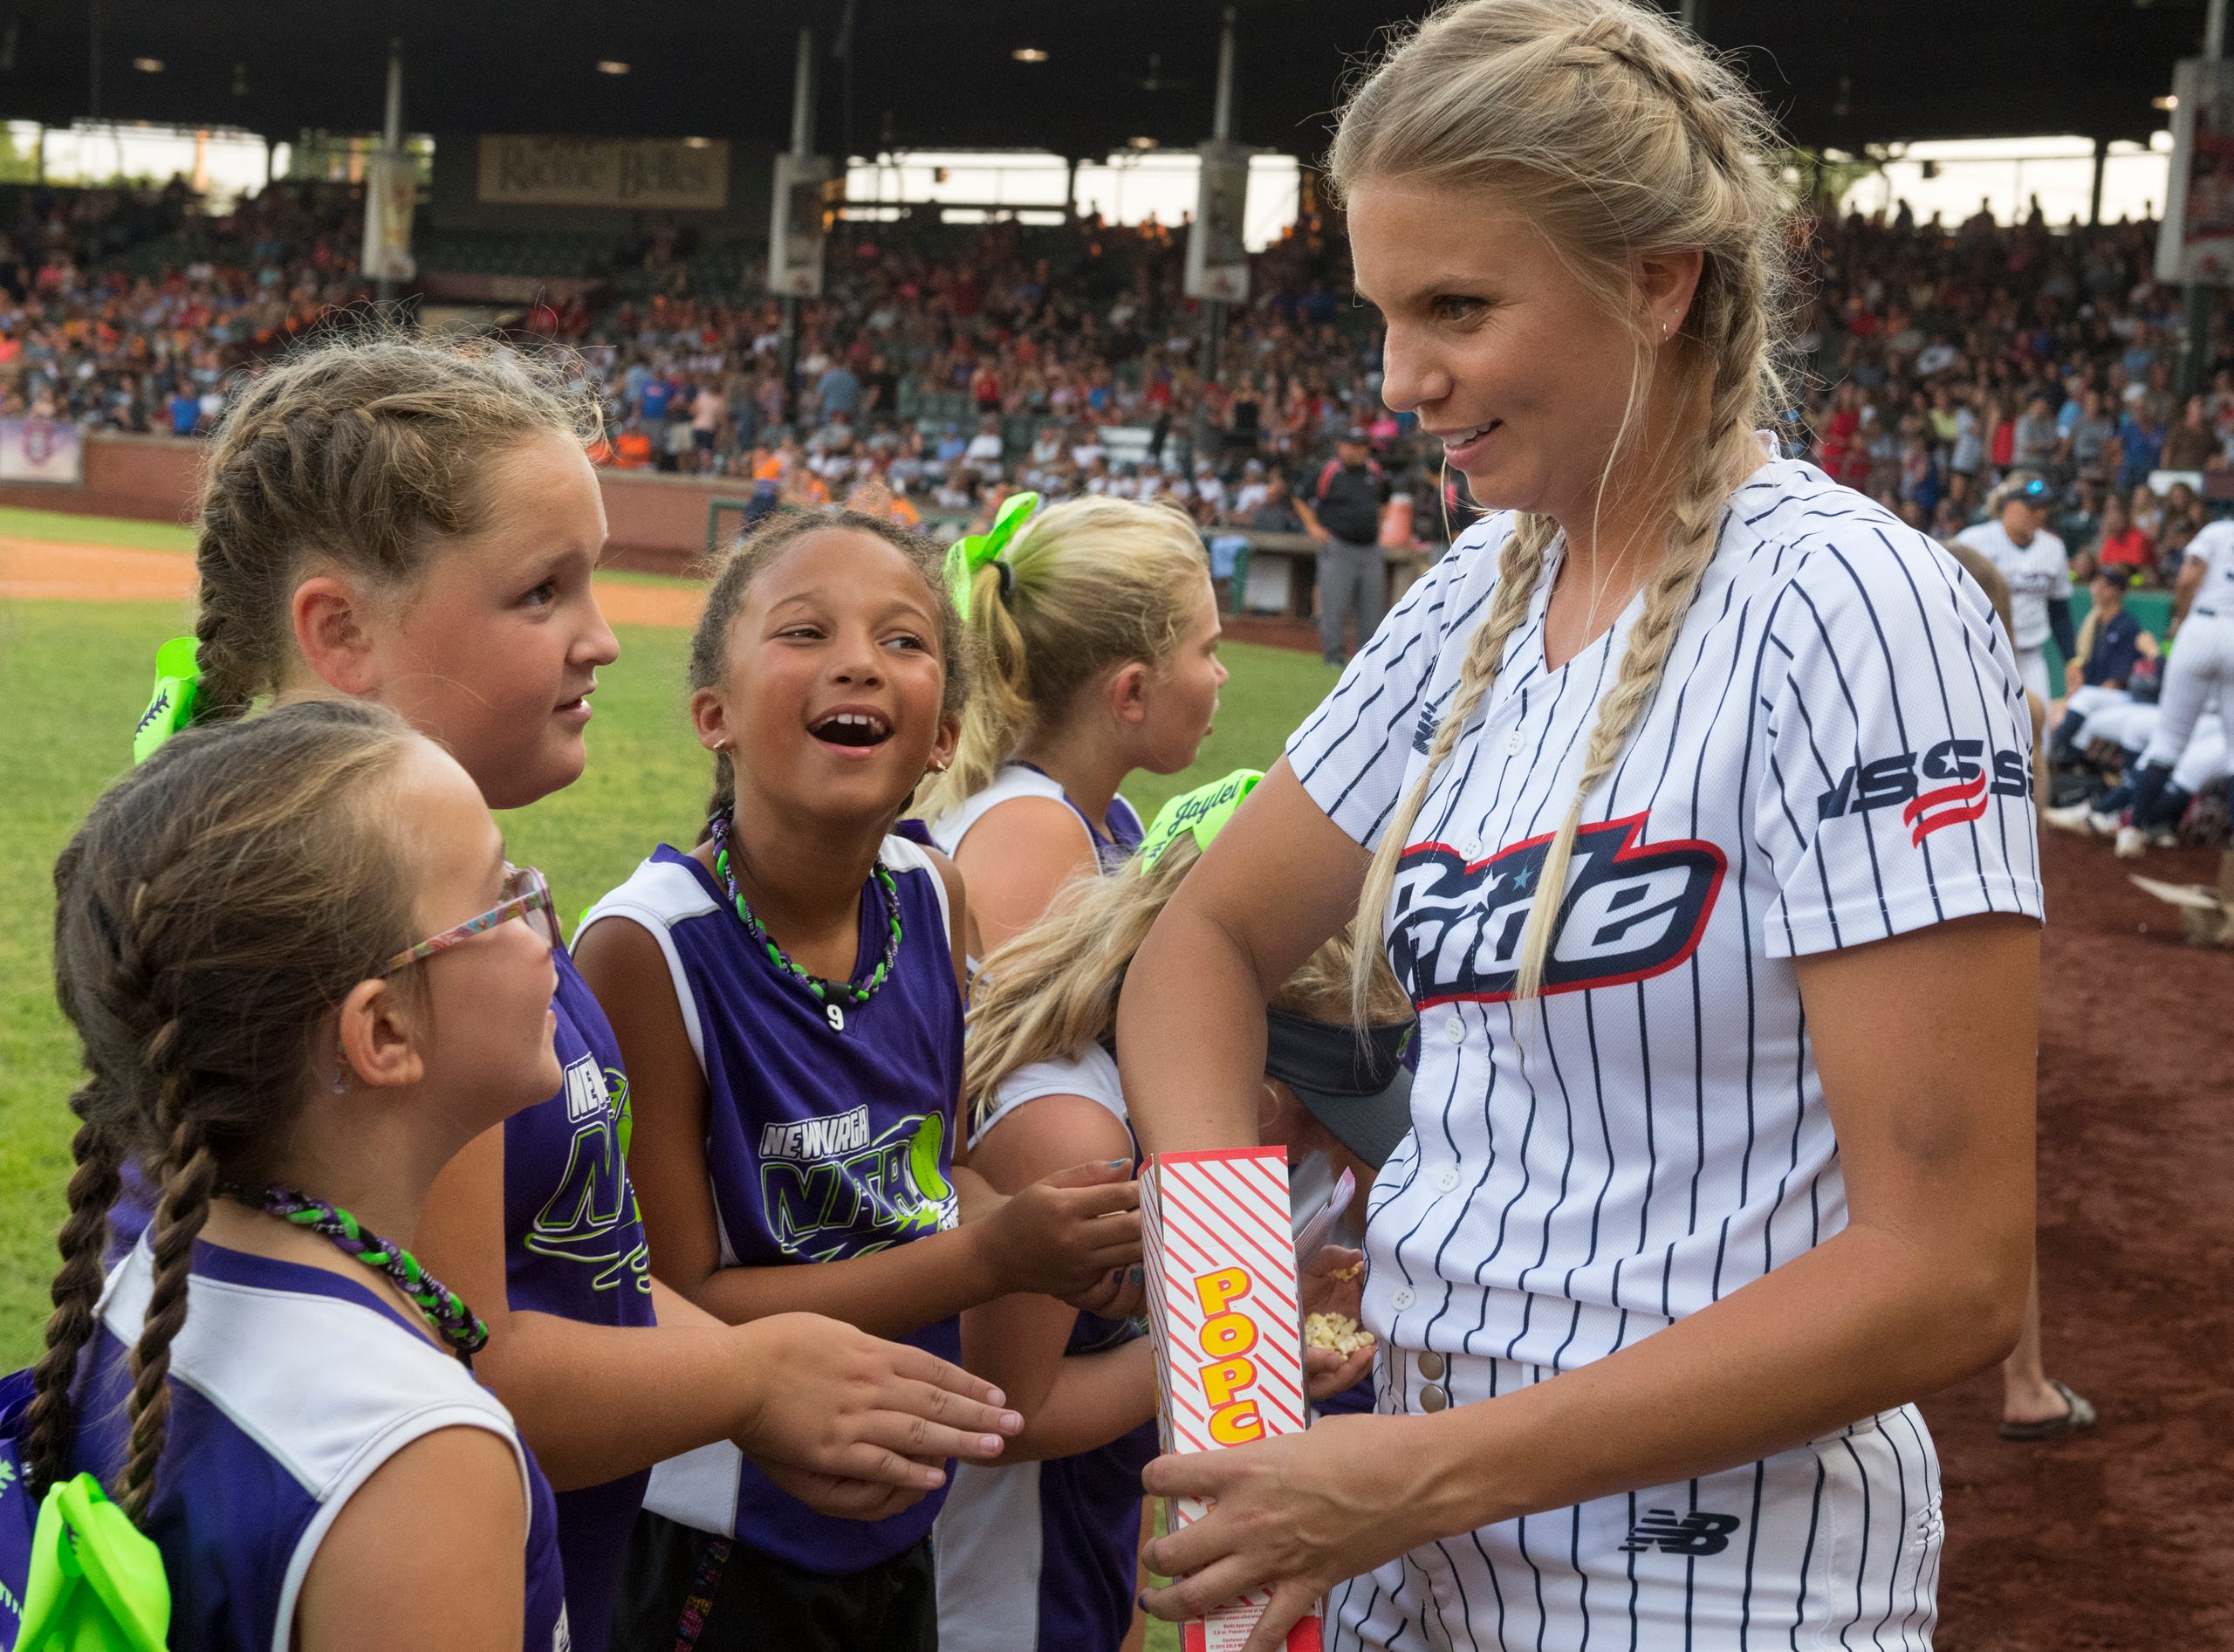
[1471, 848]
[1432, 1398]
[1454, 1029]
[1513, 743]
[1403, 1299]
[1446, 1178]
[1431, 1365]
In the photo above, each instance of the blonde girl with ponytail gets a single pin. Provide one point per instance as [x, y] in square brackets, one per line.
[1039, 1556]
[1095, 633]
[1690, 795]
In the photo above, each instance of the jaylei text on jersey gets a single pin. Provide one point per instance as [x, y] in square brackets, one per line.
[1631, 911]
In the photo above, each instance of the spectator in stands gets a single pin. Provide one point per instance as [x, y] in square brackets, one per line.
[2141, 445]
[2123, 545]
[2190, 444]
[1343, 515]
[2091, 435]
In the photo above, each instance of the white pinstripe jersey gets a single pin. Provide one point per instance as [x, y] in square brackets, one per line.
[2214, 548]
[1837, 751]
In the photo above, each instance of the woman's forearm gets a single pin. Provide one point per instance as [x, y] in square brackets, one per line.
[1869, 1320]
[1190, 1036]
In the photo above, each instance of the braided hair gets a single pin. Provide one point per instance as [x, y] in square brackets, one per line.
[363, 452]
[1615, 132]
[216, 906]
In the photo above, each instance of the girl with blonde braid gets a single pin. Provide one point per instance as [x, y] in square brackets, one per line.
[1691, 795]
[1096, 634]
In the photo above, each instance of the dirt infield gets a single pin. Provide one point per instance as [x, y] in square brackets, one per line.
[31, 569]
[2120, 1540]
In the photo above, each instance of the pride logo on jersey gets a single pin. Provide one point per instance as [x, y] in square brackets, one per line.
[1631, 911]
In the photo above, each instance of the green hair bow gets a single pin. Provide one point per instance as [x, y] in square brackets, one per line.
[1202, 812]
[177, 699]
[965, 556]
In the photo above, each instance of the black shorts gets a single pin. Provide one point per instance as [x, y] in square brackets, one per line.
[683, 1590]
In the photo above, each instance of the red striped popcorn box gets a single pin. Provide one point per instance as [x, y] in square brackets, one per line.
[1228, 1332]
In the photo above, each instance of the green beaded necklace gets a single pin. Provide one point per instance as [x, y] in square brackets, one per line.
[854, 993]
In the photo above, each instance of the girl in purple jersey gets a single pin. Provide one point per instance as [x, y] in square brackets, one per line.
[289, 952]
[788, 997]
[1037, 1553]
[1097, 637]
[417, 524]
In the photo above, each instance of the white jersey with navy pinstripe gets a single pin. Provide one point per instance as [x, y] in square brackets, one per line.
[1837, 751]
[2214, 548]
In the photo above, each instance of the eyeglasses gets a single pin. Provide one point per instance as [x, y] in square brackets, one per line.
[526, 896]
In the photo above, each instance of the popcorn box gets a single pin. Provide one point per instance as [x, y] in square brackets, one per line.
[1228, 1344]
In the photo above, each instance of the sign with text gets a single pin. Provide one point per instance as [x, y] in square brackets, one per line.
[1217, 262]
[666, 175]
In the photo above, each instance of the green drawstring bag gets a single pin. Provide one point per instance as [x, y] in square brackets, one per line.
[96, 1581]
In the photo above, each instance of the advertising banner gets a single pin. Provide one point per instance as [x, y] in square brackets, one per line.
[667, 174]
[42, 451]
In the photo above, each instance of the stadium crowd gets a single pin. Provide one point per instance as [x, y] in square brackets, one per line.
[946, 364]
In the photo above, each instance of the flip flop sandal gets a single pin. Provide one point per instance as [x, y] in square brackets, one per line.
[2081, 1415]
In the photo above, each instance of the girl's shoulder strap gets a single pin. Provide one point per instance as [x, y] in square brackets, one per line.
[907, 860]
[1014, 780]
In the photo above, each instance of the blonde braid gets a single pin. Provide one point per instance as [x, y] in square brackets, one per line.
[1521, 564]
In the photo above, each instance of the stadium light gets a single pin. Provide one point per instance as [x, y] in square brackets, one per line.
[697, 143]
[149, 65]
[2168, 102]
[611, 65]
[1029, 54]
[1139, 143]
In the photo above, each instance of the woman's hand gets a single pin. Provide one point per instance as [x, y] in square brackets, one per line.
[855, 1426]
[1297, 1514]
[1065, 1234]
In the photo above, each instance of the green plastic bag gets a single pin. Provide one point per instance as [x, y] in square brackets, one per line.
[97, 1581]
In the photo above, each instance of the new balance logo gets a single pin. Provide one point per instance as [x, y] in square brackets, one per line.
[1691, 1535]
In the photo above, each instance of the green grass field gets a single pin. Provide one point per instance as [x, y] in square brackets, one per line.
[73, 677]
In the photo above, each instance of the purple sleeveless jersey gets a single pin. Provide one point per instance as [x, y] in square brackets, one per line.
[575, 1247]
[290, 1387]
[821, 1144]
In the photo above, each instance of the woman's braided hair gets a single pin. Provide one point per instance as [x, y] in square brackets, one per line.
[217, 904]
[1616, 134]
[362, 452]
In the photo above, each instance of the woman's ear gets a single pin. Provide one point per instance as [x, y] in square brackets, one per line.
[1666, 283]
[332, 631]
[1128, 692]
[376, 1037]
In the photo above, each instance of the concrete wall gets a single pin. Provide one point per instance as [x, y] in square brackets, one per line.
[656, 521]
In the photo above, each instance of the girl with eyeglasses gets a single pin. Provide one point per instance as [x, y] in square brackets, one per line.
[417, 524]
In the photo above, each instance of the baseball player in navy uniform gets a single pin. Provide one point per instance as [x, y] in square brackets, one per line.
[1691, 796]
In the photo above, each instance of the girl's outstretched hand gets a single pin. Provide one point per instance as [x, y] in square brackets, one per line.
[855, 1426]
[1297, 1514]
[1065, 1234]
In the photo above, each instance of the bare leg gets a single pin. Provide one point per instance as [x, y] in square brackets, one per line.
[2025, 1394]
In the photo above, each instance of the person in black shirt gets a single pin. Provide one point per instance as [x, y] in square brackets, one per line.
[1343, 513]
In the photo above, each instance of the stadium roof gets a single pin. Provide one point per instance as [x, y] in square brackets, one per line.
[940, 74]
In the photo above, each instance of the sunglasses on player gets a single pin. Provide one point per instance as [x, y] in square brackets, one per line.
[526, 896]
